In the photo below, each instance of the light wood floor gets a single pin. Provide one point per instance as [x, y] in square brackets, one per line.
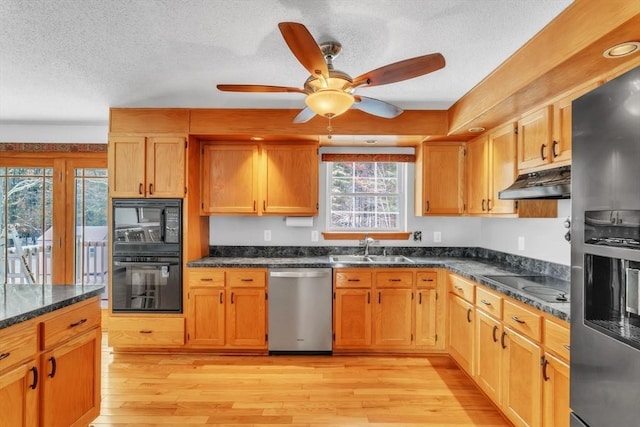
[190, 390]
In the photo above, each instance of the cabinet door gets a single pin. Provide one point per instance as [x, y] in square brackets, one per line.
[71, 381]
[561, 145]
[206, 321]
[352, 318]
[127, 166]
[443, 174]
[290, 179]
[19, 396]
[503, 170]
[426, 310]
[393, 316]
[488, 361]
[461, 332]
[555, 406]
[229, 176]
[165, 167]
[247, 318]
[521, 387]
[534, 139]
[477, 173]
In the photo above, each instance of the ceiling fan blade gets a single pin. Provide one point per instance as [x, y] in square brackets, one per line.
[402, 70]
[376, 107]
[304, 48]
[304, 116]
[258, 88]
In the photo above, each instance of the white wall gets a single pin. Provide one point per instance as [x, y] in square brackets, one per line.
[54, 132]
[543, 238]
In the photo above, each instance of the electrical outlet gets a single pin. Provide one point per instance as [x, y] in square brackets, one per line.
[417, 236]
[521, 243]
[315, 236]
[437, 236]
[267, 235]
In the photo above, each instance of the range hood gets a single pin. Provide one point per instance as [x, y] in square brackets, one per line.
[546, 184]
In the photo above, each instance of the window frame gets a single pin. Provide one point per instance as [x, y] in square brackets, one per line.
[402, 199]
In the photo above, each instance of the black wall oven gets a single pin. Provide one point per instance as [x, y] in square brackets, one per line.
[146, 255]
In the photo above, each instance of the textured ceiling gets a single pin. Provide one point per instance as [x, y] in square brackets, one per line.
[70, 60]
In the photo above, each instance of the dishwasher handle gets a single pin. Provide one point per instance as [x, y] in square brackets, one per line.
[299, 274]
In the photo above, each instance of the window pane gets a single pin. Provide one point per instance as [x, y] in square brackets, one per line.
[91, 227]
[25, 256]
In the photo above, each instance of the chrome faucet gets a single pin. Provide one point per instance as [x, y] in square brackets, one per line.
[368, 241]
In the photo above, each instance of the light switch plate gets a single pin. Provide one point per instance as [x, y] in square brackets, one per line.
[437, 236]
[267, 235]
[315, 236]
[521, 243]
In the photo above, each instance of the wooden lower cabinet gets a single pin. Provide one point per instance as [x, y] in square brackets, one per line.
[555, 405]
[246, 319]
[352, 318]
[19, 395]
[426, 316]
[461, 332]
[522, 382]
[71, 381]
[488, 360]
[145, 332]
[393, 314]
[206, 320]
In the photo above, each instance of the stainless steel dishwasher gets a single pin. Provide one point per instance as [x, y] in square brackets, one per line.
[300, 310]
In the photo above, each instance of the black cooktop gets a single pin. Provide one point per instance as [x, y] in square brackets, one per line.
[546, 288]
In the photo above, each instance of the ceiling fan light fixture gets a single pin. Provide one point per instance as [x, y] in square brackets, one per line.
[329, 102]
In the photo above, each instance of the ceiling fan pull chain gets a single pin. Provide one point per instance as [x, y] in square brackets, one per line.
[329, 127]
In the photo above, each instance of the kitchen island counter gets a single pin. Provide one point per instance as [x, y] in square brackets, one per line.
[19, 303]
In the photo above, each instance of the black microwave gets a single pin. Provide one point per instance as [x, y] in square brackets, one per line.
[147, 226]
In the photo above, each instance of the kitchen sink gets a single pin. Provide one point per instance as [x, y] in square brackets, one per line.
[370, 259]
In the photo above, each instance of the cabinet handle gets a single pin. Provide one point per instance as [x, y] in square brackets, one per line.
[146, 331]
[419, 297]
[554, 152]
[368, 297]
[504, 334]
[231, 297]
[34, 384]
[483, 202]
[246, 280]
[544, 362]
[140, 189]
[150, 189]
[5, 355]
[255, 207]
[53, 367]
[379, 297]
[207, 279]
[395, 280]
[489, 205]
[78, 323]
[542, 148]
[495, 329]
[264, 205]
[459, 289]
[353, 280]
[221, 299]
[522, 322]
[427, 206]
[485, 302]
[469, 315]
[427, 280]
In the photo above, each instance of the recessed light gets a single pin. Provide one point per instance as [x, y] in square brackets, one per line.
[622, 49]
[477, 129]
[257, 138]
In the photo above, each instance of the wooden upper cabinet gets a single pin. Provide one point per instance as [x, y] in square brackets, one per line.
[260, 179]
[502, 165]
[441, 179]
[478, 175]
[290, 179]
[229, 179]
[534, 139]
[146, 167]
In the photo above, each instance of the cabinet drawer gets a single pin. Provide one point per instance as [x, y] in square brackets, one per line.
[146, 332]
[489, 302]
[522, 320]
[556, 338]
[18, 343]
[464, 288]
[70, 323]
[206, 277]
[360, 278]
[427, 279]
[247, 278]
[394, 279]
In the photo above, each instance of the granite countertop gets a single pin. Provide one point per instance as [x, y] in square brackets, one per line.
[474, 269]
[19, 303]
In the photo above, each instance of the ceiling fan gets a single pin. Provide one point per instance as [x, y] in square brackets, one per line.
[330, 92]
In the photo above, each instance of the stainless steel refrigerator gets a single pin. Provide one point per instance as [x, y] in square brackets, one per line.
[605, 255]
